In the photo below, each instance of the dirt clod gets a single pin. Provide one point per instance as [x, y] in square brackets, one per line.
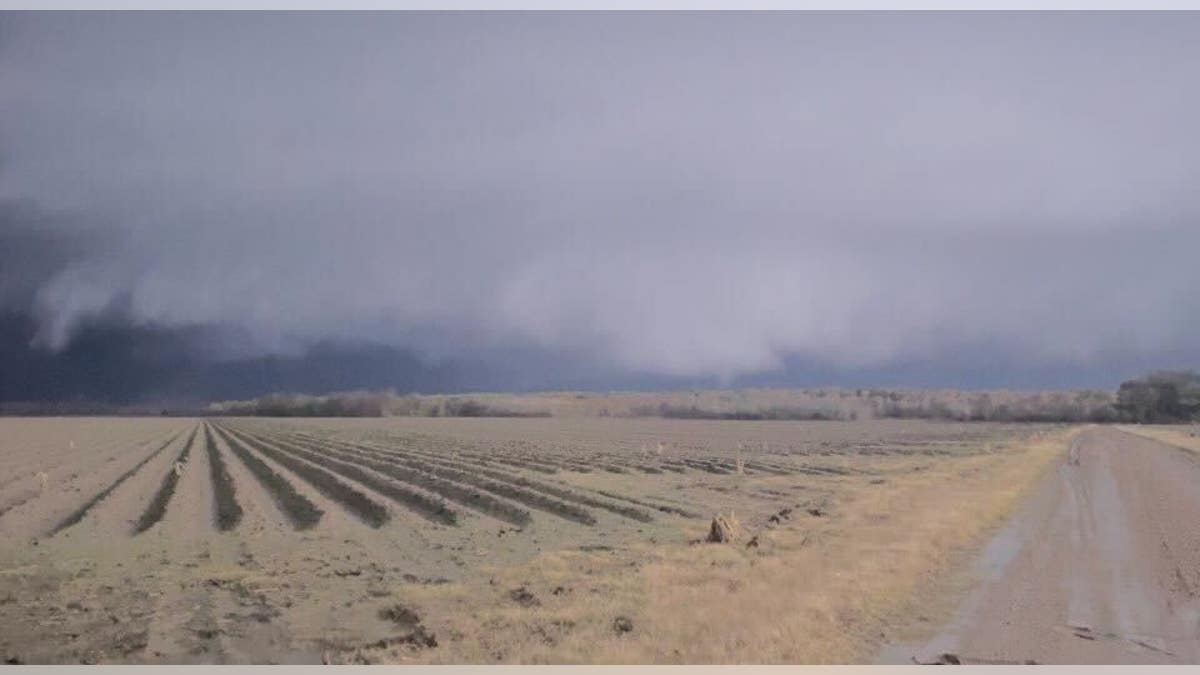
[622, 624]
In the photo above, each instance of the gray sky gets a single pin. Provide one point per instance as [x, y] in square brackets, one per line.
[674, 194]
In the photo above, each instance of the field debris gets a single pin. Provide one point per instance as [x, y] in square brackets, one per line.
[946, 659]
[523, 597]
[780, 516]
[408, 621]
[622, 625]
[724, 529]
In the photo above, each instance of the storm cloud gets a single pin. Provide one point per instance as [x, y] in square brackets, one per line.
[675, 195]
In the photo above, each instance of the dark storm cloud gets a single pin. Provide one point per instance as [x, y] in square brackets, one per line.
[33, 250]
[682, 196]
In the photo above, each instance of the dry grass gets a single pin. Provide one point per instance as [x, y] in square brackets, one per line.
[822, 591]
[826, 588]
[577, 600]
[1186, 437]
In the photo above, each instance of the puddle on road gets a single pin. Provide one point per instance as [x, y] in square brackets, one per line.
[989, 567]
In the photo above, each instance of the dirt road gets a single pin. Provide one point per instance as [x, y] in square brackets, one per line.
[1100, 565]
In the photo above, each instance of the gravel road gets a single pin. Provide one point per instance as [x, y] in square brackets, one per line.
[1100, 565]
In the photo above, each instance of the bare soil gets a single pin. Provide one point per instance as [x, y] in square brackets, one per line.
[434, 540]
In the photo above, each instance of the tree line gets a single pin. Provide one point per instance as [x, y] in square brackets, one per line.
[1157, 398]
[1160, 398]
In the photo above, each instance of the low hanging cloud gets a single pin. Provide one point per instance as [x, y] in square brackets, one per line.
[676, 194]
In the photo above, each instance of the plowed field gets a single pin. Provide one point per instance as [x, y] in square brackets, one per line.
[250, 540]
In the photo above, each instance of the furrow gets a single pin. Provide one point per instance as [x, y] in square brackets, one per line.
[422, 504]
[465, 495]
[298, 509]
[158, 505]
[228, 513]
[82, 511]
[354, 501]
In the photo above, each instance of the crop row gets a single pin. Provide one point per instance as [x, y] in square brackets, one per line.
[551, 458]
[420, 502]
[158, 504]
[490, 478]
[474, 478]
[79, 513]
[356, 475]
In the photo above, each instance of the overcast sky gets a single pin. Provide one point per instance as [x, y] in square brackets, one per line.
[681, 195]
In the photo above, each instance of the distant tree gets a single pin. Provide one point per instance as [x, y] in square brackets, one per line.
[1162, 397]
